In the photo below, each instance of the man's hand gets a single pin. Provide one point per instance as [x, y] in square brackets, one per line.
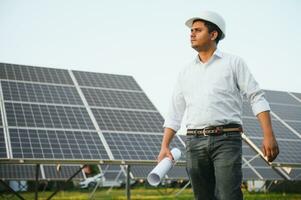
[269, 144]
[270, 147]
[165, 152]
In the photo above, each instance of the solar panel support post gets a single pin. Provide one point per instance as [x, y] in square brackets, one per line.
[10, 189]
[128, 183]
[61, 188]
[37, 182]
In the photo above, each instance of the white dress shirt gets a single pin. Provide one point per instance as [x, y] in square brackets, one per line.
[212, 93]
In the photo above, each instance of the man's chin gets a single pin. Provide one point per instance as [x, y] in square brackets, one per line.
[195, 47]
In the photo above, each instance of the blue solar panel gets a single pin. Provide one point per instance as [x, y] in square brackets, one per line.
[34, 74]
[55, 144]
[117, 99]
[278, 97]
[47, 116]
[101, 80]
[129, 120]
[33, 92]
[127, 146]
[3, 152]
[252, 128]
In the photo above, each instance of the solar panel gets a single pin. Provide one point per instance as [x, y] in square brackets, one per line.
[29, 92]
[128, 120]
[255, 168]
[117, 99]
[249, 174]
[34, 74]
[298, 95]
[18, 172]
[47, 116]
[127, 146]
[178, 172]
[65, 172]
[289, 151]
[113, 173]
[278, 97]
[295, 174]
[56, 144]
[3, 152]
[253, 129]
[296, 125]
[286, 112]
[28, 172]
[142, 171]
[106, 80]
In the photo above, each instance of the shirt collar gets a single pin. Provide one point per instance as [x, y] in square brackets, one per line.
[217, 53]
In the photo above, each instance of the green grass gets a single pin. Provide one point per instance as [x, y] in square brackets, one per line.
[145, 194]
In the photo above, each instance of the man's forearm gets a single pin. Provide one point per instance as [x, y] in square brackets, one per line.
[269, 144]
[265, 122]
[167, 137]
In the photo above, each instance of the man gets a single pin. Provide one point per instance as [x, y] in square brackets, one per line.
[210, 90]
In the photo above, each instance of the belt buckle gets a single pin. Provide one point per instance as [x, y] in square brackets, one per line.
[203, 131]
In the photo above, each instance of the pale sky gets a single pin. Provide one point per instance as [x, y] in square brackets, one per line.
[148, 39]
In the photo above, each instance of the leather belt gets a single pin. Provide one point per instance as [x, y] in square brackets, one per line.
[215, 130]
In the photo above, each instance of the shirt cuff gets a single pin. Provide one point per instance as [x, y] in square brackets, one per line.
[171, 124]
[260, 106]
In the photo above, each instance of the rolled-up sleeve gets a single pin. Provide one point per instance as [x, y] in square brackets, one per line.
[250, 88]
[176, 109]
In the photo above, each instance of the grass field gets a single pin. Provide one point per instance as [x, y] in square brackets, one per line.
[144, 194]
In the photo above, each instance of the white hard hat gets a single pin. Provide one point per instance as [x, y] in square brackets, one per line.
[210, 17]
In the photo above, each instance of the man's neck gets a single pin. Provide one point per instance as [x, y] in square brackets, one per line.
[206, 55]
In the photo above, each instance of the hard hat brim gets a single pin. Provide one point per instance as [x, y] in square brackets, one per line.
[190, 21]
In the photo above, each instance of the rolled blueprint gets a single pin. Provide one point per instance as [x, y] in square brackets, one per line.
[155, 176]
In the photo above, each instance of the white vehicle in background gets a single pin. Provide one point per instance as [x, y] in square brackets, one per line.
[91, 182]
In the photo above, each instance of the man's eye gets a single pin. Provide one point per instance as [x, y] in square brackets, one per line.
[196, 30]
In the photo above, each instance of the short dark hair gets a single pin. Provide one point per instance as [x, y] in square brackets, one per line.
[212, 27]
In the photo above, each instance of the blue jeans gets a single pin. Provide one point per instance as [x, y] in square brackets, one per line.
[214, 166]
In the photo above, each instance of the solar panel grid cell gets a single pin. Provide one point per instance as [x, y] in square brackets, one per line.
[287, 112]
[126, 120]
[18, 172]
[117, 99]
[106, 80]
[275, 97]
[249, 174]
[28, 92]
[34, 74]
[137, 146]
[252, 129]
[47, 116]
[3, 152]
[47, 144]
[65, 172]
[269, 174]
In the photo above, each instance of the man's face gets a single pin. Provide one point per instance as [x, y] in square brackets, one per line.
[200, 38]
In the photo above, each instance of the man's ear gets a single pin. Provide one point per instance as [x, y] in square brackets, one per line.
[214, 35]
